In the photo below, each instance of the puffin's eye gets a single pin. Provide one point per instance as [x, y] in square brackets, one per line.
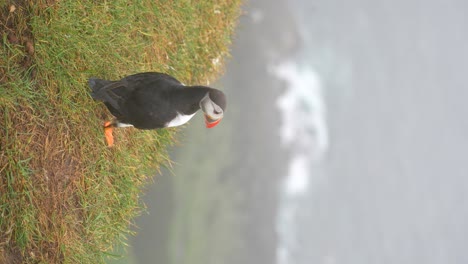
[217, 110]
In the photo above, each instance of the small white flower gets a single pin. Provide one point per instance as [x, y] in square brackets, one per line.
[215, 61]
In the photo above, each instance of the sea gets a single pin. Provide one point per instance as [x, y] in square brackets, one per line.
[303, 132]
[373, 115]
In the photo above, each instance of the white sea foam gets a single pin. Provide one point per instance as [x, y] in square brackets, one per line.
[303, 129]
[304, 134]
[298, 175]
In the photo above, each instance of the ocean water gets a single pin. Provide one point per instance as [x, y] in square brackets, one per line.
[304, 134]
[373, 115]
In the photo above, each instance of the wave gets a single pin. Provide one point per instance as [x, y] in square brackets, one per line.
[304, 133]
[303, 129]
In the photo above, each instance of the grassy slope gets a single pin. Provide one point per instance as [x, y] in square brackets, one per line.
[64, 196]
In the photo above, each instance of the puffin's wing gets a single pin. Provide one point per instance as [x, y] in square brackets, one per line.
[146, 77]
[106, 91]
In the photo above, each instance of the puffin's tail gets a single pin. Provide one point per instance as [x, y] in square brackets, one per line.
[96, 85]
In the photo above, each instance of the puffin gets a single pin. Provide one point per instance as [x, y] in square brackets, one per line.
[154, 100]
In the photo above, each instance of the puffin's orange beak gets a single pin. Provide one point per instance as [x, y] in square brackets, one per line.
[210, 123]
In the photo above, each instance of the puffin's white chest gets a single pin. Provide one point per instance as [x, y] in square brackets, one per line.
[179, 120]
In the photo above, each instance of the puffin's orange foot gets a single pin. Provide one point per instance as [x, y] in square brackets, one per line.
[108, 128]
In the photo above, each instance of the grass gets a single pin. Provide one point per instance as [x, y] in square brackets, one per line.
[64, 196]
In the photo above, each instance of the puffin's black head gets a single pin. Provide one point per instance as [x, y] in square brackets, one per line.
[213, 106]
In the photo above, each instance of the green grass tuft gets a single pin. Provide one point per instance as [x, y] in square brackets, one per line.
[64, 196]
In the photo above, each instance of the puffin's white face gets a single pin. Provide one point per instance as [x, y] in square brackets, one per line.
[213, 112]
